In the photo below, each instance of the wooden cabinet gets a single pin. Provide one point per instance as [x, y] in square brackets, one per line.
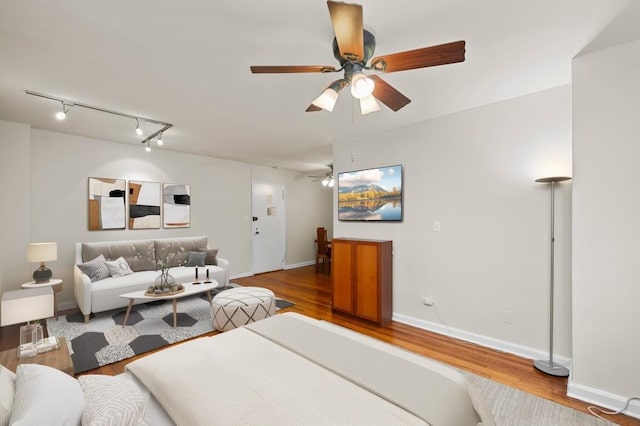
[361, 278]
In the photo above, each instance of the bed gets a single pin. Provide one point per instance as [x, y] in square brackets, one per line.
[287, 369]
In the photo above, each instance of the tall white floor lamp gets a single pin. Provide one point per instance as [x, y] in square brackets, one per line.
[548, 366]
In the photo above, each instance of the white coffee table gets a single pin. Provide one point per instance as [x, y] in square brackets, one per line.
[189, 290]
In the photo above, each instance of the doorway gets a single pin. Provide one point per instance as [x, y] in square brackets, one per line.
[268, 227]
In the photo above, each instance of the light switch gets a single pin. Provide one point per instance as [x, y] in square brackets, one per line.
[436, 226]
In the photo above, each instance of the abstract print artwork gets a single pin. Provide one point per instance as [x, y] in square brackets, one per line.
[107, 208]
[176, 205]
[144, 205]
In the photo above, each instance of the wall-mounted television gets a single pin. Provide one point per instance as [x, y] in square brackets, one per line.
[371, 194]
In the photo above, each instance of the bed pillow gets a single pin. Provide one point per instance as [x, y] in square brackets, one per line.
[211, 256]
[95, 269]
[46, 396]
[7, 390]
[196, 258]
[111, 401]
[118, 267]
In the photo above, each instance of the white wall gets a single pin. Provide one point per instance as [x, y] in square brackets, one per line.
[606, 230]
[474, 172]
[15, 150]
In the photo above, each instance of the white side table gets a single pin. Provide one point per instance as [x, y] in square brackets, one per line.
[56, 286]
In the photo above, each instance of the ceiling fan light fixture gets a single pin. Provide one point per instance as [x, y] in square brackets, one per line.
[327, 100]
[361, 86]
[369, 105]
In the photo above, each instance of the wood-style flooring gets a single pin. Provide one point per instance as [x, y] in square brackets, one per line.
[311, 294]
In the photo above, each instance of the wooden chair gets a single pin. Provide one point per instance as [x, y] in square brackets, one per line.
[324, 250]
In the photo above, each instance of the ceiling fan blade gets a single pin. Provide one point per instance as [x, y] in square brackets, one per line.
[442, 54]
[347, 25]
[388, 95]
[266, 69]
[313, 108]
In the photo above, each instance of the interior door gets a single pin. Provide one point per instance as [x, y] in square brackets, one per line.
[268, 227]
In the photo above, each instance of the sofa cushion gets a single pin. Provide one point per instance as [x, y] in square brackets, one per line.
[95, 269]
[140, 255]
[196, 258]
[175, 251]
[211, 256]
[118, 267]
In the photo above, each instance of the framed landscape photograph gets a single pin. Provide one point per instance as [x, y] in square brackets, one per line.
[176, 199]
[371, 194]
[107, 208]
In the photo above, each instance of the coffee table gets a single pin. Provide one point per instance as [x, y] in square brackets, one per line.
[189, 290]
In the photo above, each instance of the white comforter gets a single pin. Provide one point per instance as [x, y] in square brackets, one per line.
[247, 376]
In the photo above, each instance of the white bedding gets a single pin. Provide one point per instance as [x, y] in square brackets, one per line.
[284, 370]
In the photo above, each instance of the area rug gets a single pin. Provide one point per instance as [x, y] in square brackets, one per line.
[103, 340]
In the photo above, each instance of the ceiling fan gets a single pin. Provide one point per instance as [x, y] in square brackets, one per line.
[353, 47]
[327, 179]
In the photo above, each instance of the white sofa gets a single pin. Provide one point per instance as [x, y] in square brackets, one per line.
[143, 257]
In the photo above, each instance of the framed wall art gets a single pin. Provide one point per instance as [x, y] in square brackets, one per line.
[176, 199]
[106, 203]
[144, 205]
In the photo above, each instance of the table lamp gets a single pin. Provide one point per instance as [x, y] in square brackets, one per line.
[42, 252]
[24, 306]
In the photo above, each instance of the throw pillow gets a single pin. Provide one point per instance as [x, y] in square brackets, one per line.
[111, 401]
[196, 258]
[211, 256]
[118, 267]
[7, 391]
[95, 269]
[46, 396]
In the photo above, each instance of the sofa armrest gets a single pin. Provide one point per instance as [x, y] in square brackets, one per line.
[224, 264]
[82, 290]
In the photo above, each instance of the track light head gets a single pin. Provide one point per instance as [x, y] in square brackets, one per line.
[62, 114]
[147, 148]
[159, 140]
[139, 131]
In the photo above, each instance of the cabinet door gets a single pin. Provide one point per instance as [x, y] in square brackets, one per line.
[367, 281]
[342, 270]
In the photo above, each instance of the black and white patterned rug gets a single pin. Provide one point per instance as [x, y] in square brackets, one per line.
[103, 340]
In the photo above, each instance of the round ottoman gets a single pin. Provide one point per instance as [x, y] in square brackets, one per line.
[241, 305]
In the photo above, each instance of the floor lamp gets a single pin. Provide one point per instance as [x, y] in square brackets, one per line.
[548, 366]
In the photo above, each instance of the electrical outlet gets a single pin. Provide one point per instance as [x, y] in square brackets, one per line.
[427, 301]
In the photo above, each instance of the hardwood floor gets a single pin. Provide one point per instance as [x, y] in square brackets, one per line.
[311, 294]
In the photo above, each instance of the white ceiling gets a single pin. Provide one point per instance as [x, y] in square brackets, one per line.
[187, 63]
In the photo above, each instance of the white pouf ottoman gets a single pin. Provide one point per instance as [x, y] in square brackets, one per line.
[241, 305]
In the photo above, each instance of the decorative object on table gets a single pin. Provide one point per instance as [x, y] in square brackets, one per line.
[176, 205]
[144, 205]
[549, 366]
[107, 208]
[149, 326]
[165, 281]
[207, 281]
[27, 305]
[197, 281]
[42, 252]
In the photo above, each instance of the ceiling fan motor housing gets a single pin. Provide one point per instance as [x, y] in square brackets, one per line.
[369, 48]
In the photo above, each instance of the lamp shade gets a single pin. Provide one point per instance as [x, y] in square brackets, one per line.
[26, 305]
[42, 252]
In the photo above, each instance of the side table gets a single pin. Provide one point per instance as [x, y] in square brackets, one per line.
[57, 358]
[56, 286]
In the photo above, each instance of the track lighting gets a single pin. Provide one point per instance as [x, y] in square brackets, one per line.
[67, 103]
[62, 114]
[331, 182]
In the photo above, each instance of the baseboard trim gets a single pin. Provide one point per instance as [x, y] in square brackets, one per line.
[299, 265]
[489, 342]
[602, 398]
[240, 275]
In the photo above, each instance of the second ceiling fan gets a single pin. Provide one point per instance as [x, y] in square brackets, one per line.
[353, 47]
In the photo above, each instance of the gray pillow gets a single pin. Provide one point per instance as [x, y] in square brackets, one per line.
[196, 258]
[211, 256]
[95, 269]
